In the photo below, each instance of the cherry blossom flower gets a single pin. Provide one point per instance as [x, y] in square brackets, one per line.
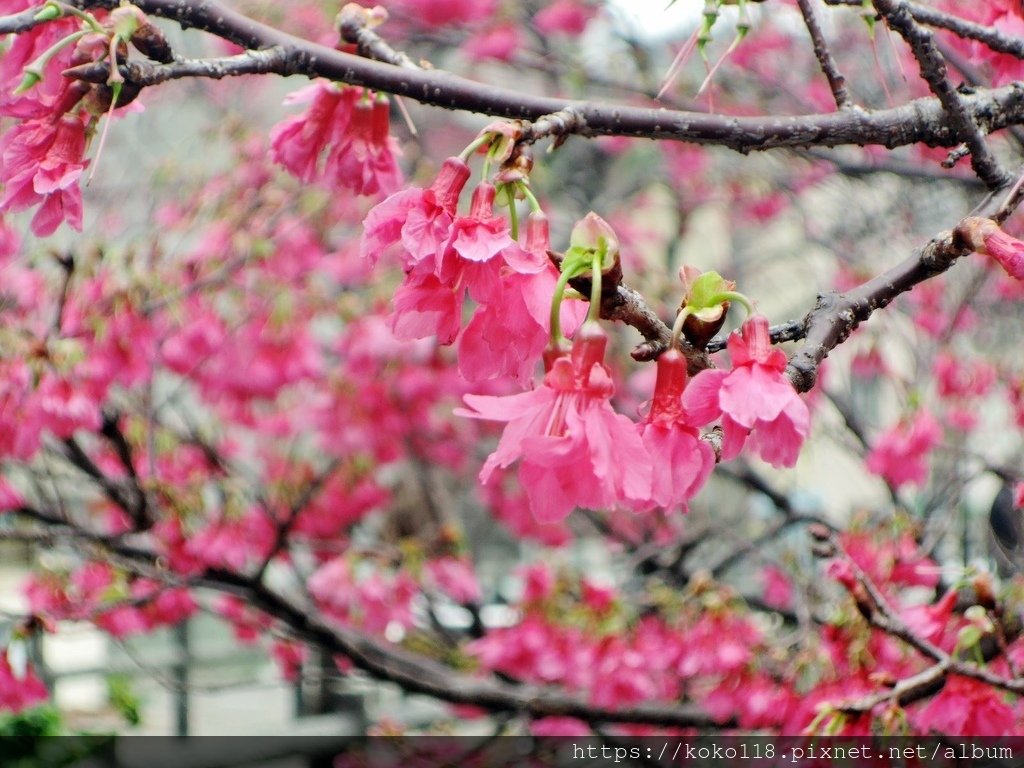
[455, 577]
[351, 126]
[986, 237]
[499, 43]
[19, 691]
[419, 219]
[966, 707]
[364, 159]
[568, 17]
[436, 13]
[40, 164]
[754, 400]
[684, 461]
[900, 455]
[575, 450]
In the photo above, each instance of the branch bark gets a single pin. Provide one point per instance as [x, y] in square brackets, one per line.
[920, 121]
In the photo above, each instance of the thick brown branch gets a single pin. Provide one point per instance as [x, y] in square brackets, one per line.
[918, 121]
[387, 662]
[933, 70]
[989, 36]
[836, 315]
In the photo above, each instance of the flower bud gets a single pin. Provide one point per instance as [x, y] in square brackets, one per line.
[592, 233]
[986, 237]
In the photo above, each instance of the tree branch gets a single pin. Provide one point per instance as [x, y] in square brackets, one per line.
[836, 315]
[387, 662]
[836, 81]
[933, 70]
[918, 121]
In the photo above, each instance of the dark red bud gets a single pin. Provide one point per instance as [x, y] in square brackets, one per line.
[449, 183]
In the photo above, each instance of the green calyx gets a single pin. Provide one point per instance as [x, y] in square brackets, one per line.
[594, 248]
[707, 295]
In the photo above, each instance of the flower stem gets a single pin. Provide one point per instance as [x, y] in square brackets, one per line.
[556, 307]
[64, 9]
[594, 312]
[677, 326]
[513, 212]
[528, 194]
[739, 298]
[34, 71]
[478, 142]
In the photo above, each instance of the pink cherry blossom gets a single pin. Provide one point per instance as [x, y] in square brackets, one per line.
[436, 13]
[900, 454]
[365, 158]
[966, 707]
[538, 582]
[348, 124]
[568, 17]
[40, 164]
[683, 461]
[987, 237]
[298, 142]
[499, 43]
[19, 691]
[419, 219]
[456, 578]
[575, 450]
[754, 400]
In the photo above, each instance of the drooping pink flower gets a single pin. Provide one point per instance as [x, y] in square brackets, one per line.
[507, 334]
[298, 142]
[419, 219]
[349, 125]
[19, 691]
[987, 237]
[568, 17]
[755, 400]
[575, 450]
[465, 260]
[932, 621]
[40, 164]
[476, 238]
[900, 455]
[365, 158]
[967, 707]
[683, 461]
[424, 306]
[499, 43]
